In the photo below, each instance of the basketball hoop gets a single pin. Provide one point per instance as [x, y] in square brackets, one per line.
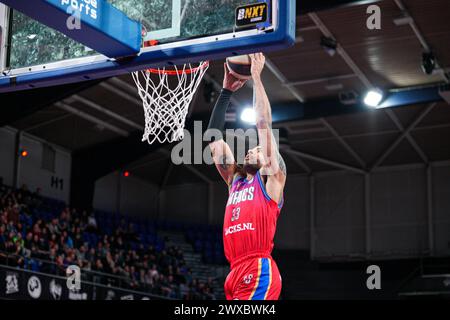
[166, 95]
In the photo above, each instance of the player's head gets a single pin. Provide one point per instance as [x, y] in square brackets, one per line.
[254, 160]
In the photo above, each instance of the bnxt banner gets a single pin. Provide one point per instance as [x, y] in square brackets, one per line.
[17, 284]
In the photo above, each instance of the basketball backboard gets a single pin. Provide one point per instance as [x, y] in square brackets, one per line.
[175, 32]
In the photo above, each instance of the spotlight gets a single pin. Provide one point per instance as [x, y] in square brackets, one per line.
[126, 174]
[248, 115]
[329, 44]
[428, 62]
[373, 98]
[24, 153]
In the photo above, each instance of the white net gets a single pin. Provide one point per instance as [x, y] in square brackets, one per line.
[166, 96]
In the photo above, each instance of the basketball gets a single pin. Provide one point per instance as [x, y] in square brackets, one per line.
[240, 66]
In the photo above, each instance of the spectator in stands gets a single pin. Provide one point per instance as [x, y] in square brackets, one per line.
[37, 227]
[81, 252]
[36, 199]
[71, 238]
[119, 243]
[78, 241]
[2, 233]
[53, 226]
[83, 220]
[192, 293]
[60, 268]
[91, 256]
[2, 244]
[13, 213]
[121, 228]
[63, 224]
[38, 243]
[68, 240]
[130, 234]
[91, 223]
[164, 287]
[98, 266]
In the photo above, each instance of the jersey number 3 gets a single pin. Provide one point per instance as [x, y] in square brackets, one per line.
[236, 213]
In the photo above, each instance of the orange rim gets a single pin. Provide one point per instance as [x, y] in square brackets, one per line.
[178, 72]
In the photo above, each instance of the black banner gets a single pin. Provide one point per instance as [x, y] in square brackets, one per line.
[251, 14]
[17, 284]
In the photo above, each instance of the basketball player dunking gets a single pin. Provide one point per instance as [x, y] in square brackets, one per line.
[255, 196]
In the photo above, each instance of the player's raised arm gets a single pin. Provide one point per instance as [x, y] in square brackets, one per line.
[221, 152]
[274, 167]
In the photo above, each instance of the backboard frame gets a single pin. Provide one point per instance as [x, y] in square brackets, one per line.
[4, 27]
[280, 36]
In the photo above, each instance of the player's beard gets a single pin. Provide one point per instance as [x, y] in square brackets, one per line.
[251, 168]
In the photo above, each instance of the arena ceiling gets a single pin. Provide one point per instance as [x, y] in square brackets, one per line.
[389, 58]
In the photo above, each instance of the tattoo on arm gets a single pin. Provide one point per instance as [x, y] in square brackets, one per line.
[225, 162]
[280, 160]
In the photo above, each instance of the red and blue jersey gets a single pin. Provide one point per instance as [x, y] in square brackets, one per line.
[250, 220]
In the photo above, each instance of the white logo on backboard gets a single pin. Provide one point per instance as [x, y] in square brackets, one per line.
[55, 290]
[85, 7]
[34, 287]
[12, 285]
[241, 14]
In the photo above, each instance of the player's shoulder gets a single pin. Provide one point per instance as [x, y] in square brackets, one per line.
[236, 177]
